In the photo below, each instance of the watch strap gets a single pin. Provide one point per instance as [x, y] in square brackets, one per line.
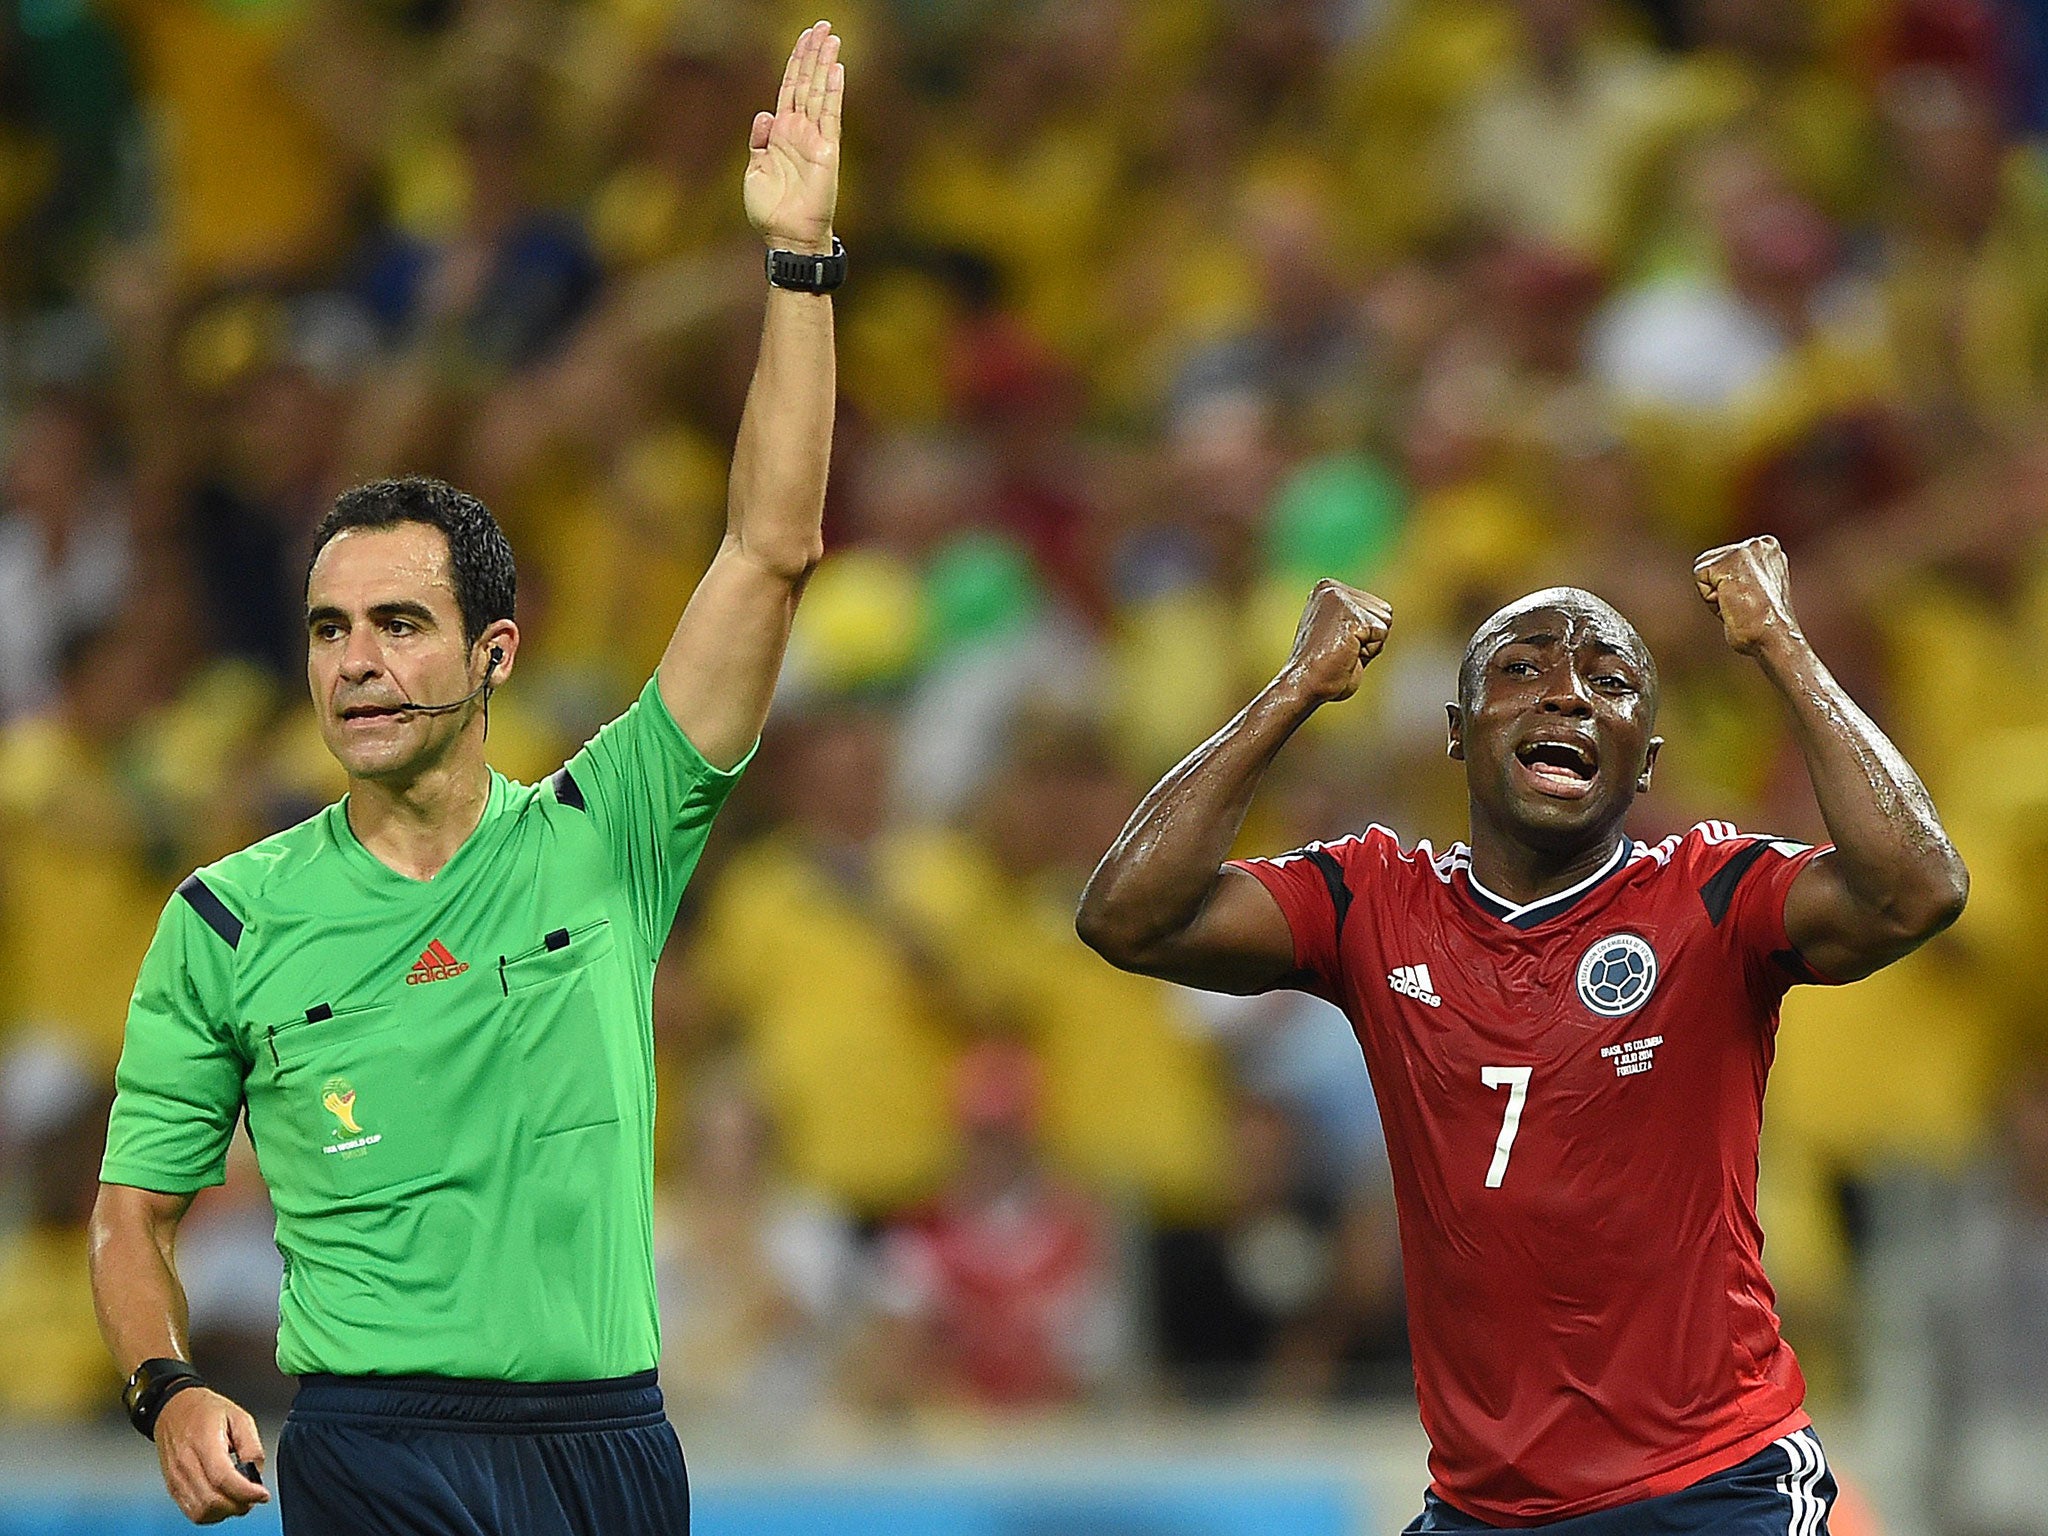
[807, 271]
[154, 1383]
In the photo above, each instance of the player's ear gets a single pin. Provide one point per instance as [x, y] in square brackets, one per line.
[1649, 762]
[1457, 722]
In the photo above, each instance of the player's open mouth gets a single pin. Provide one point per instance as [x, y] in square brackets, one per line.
[1561, 769]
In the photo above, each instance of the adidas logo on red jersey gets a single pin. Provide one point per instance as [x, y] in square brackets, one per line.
[1413, 981]
[435, 964]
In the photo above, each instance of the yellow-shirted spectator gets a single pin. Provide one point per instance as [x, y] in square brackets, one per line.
[1966, 280]
[1133, 1101]
[1033, 180]
[53, 1113]
[1791, 74]
[1188, 632]
[1903, 1068]
[1153, 313]
[26, 166]
[1554, 147]
[672, 195]
[602, 550]
[253, 184]
[843, 1022]
[83, 868]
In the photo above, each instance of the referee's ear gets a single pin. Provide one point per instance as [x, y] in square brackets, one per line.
[496, 648]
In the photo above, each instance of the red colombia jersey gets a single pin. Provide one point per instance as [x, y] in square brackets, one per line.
[1572, 1092]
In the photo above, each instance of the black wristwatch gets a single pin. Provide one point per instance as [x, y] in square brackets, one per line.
[806, 271]
[155, 1383]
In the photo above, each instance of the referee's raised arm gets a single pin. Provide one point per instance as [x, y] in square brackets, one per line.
[718, 673]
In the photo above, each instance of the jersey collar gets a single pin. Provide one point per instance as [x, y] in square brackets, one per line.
[352, 849]
[1529, 914]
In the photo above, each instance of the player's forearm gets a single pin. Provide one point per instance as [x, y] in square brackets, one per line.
[135, 1289]
[1891, 849]
[1161, 870]
[776, 501]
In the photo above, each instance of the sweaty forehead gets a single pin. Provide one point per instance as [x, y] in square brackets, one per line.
[372, 565]
[1568, 616]
[1571, 616]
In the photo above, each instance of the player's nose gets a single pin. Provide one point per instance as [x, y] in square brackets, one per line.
[1566, 693]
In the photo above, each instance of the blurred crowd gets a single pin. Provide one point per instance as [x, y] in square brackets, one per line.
[1159, 310]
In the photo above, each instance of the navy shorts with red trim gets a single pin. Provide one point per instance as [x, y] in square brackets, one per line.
[430, 1456]
[1783, 1490]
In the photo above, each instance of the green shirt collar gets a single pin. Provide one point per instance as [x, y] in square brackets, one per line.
[366, 862]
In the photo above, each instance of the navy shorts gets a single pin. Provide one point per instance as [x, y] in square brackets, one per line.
[427, 1456]
[1785, 1489]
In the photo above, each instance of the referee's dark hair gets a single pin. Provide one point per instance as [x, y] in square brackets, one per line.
[479, 556]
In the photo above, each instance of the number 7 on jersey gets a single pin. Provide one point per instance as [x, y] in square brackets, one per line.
[1516, 1081]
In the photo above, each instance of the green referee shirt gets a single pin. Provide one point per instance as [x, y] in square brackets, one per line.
[449, 1083]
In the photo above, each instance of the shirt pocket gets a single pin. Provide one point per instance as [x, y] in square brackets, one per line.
[354, 1103]
[557, 1028]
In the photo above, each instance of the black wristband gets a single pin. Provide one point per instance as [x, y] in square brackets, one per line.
[155, 1383]
[807, 271]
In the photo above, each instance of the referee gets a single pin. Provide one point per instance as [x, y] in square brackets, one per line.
[433, 1000]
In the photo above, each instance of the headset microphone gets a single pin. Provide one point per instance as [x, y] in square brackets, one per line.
[490, 671]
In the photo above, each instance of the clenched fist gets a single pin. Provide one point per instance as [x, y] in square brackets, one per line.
[1750, 586]
[1341, 630]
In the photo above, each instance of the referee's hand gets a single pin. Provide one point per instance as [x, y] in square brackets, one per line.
[199, 1437]
[792, 180]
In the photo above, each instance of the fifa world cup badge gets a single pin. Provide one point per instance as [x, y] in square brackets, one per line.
[347, 1139]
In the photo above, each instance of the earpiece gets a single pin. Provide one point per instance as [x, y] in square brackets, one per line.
[490, 671]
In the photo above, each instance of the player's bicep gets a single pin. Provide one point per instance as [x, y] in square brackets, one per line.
[718, 674]
[1242, 936]
[1837, 935]
[1239, 942]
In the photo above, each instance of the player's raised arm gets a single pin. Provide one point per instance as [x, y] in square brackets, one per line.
[719, 671]
[1895, 880]
[1162, 902]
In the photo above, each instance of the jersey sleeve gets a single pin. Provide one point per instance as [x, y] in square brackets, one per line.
[651, 796]
[1744, 889]
[1314, 886]
[178, 1088]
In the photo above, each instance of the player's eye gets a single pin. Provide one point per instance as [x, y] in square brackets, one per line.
[1519, 668]
[1614, 683]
